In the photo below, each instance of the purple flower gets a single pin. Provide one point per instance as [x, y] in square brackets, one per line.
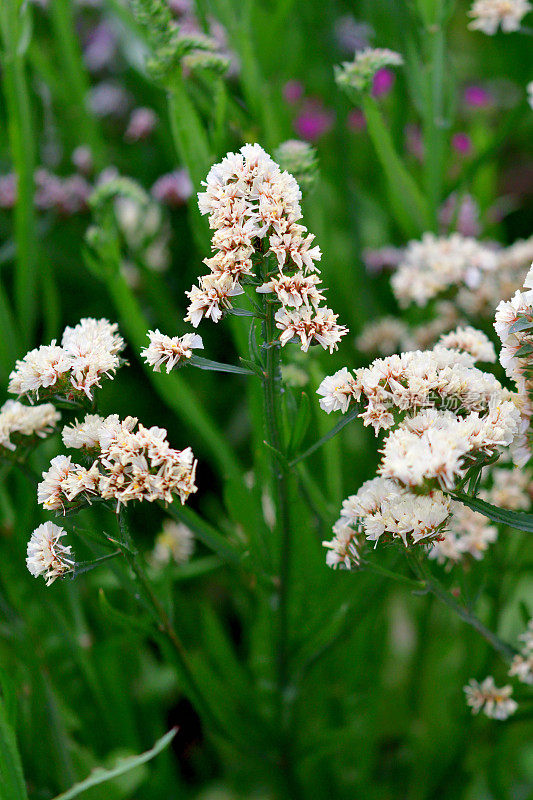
[108, 99]
[382, 258]
[383, 82]
[462, 143]
[466, 217]
[414, 142]
[313, 121]
[82, 158]
[352, 35]
[100, 48]
[477, 96]
[141, 124]
[293, 92]
[67, 196]
[180, 7]
[8, 190]
[356, 120]
[173, 189]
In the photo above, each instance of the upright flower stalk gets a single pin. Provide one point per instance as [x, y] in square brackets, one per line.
[260, 247]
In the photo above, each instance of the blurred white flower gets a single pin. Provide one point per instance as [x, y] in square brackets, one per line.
[489, 15]
[176, 542]
[495, 703]
[18, 419]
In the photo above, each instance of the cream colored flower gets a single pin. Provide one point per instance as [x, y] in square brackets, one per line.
[169, 351]
[489, 15]
[495, 703]
[20, 420]
[47, 556]
[176, 542]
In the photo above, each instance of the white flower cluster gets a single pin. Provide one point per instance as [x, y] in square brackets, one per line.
[434, 444]
[495, 703]
[419, 379]
[448, 415]
[435, 263]
[146, 234]
[391, 335]
[511, 488]
[522, 665]
[88, 352]
[499, 284]
[384, 508]
[467, 534]
[170, 350]
[489, 15]
[511, 315]
[47, 555]
[175, 542]
[250, 201]
[19, 420]
[129, 465]
[514, 326]
[357, 75]
[469, 340]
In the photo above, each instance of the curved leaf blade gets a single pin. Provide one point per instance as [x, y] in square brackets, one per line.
[100, 775]
[520, 520]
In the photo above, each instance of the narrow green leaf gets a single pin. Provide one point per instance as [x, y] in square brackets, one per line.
[329, 435]
[513, 519]
[241, 312]
[100, 775]
[217, 366]
[253, 366]
[12, 786]
[522, 324]
[410, 208]
[127, 621]
[525, 350]
[301, 423]
[206, 533]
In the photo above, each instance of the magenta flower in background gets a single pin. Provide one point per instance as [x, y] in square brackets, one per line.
[352, 35]
[293, 91]
[141, 124]
[8, 190]
[108, 99]
[462, 143]
[313, 121]
[477, 96]
[356, 120]
[100, 49]
[414, 142]
[180, 7]
[383, 82]
[82, 158]
[465, 218]
[173, 189]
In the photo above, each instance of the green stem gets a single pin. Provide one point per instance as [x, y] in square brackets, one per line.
[68, 49]
[431, 584]
[165, 626]
[408, 204]
[14, 26]
[280, 474]
[434, 139]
